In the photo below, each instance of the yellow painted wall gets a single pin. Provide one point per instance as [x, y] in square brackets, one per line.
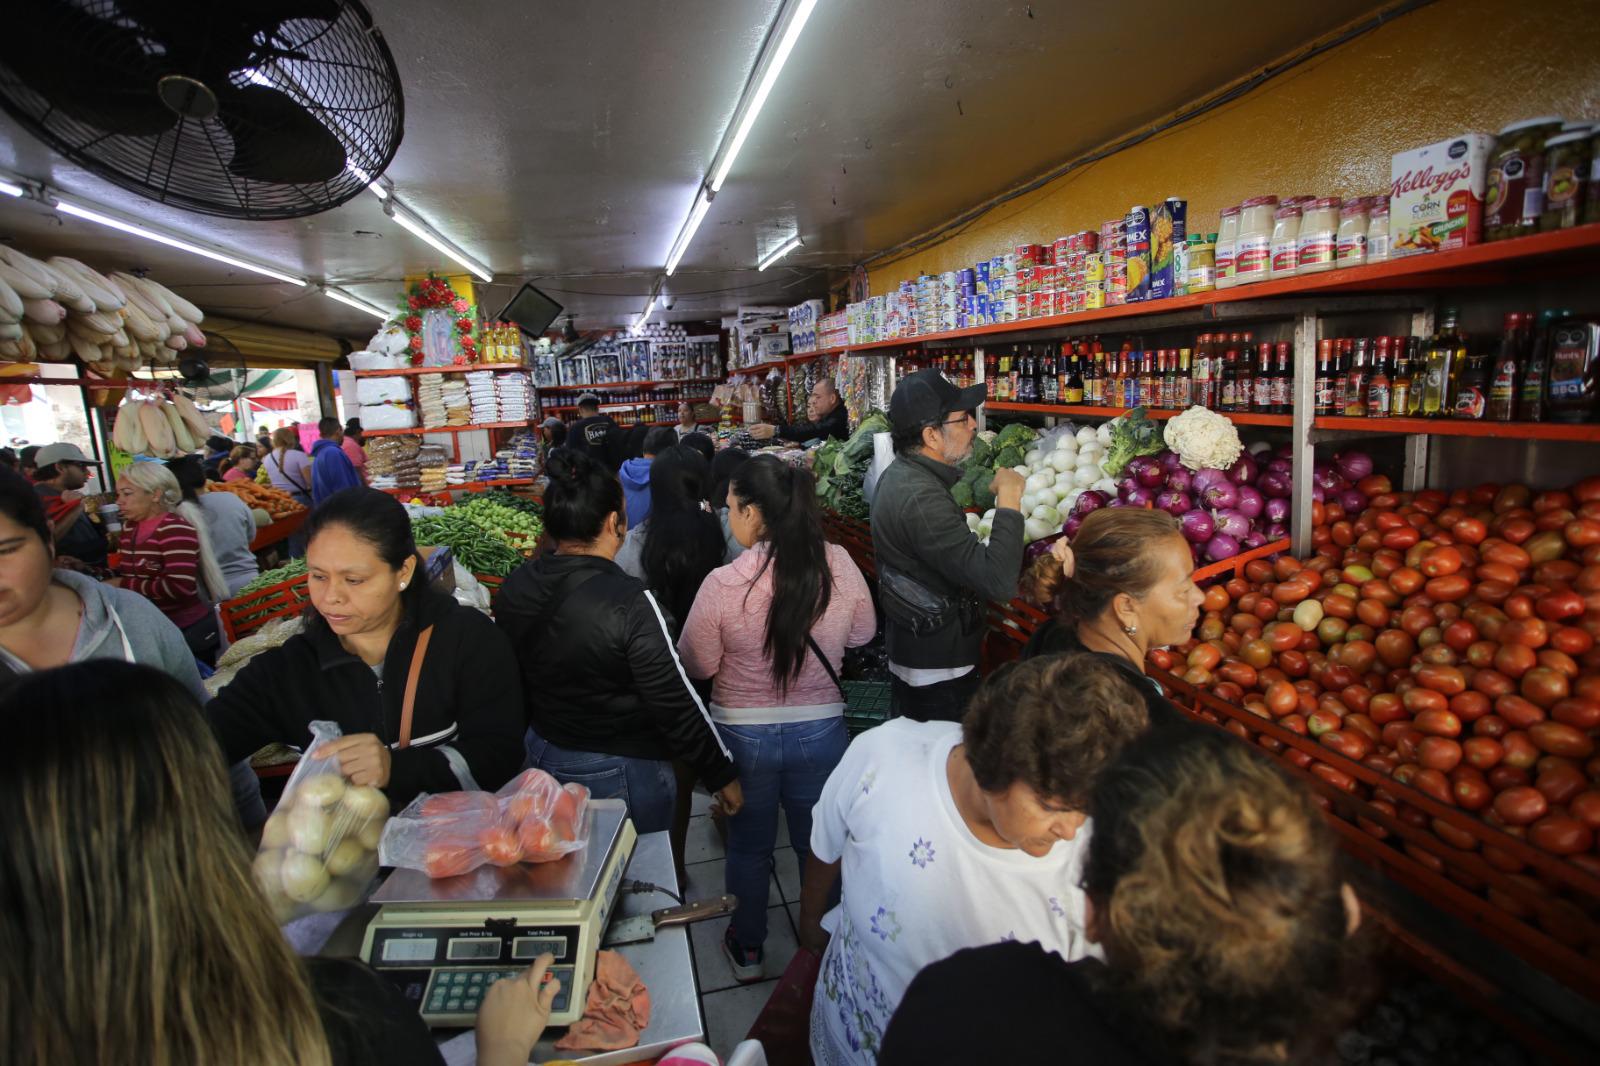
[1326, 128]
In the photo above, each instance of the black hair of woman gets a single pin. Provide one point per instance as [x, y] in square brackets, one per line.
[581, 494]
[722, 467]
[191, 475]
[702, 444]
[20, 503]
[683, 540]
[382, 522]
[797, 552]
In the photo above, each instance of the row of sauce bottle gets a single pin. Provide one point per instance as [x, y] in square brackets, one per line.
[1224, 372]
[1539, 370]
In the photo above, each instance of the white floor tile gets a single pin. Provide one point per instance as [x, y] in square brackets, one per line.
[710, 879]
[783, 830]
[711, 966]
[731, 1013]
[787, 861]
[702, 844]
[700, 803]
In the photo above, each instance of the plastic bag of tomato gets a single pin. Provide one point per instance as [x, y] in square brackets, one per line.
[1434, 665]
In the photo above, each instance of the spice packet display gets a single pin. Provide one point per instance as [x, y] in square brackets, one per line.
[319, 849]
[534, 818]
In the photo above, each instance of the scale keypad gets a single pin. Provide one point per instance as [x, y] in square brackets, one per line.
[462, 991]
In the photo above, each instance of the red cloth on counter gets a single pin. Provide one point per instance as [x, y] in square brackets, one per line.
[618, 1009]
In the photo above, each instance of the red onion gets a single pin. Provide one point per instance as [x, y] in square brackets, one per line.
[1197, 553]
[1174, 502]
[1354, 465]
[1180, 480]
[1204, 479]
[1250, 502]
[1221, 547]
[1281, 466]
[1221, 494]
[1277, 531]
[1244, 469]
[1254, 539]
[1274, 484]
[1032, 551]
[1119, 503]
[1196, 526]
[1231, 522]
[1089, 500]
[1070, 526]
[1138, 496]
[1283, 451]
[1352, 501]
[1276, 510]
[1326, 478]
[1151, 475]
[1170, 461]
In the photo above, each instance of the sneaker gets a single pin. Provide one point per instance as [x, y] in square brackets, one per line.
[746, 962]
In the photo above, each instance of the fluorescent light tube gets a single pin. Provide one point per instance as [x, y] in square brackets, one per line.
[10, 188]
[702, 204]
[360, 305]
[782, 250]
[769, 78]
[444, 247]
[173, 242]
[366, 179]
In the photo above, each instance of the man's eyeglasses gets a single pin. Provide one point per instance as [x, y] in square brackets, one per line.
[964, 416]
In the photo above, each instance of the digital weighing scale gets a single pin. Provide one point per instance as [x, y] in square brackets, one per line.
[445, 941]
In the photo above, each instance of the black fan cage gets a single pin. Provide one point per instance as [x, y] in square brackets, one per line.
[340, 71]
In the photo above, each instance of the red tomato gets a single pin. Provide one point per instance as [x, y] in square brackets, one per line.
[1521, 806]
[1558, 738]
[1560, 604]
[1561, 834]
[1446, 679]
[1586, 807]
[1439, 753]
[1482, 752]
[1544, 686]
[1439, 722]
[1448, 588]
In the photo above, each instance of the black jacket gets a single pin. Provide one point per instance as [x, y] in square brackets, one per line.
[836, 423]
[469, 699]
[598, 437]
[600, 667]
[367, 1021]
[1041, 1010]
[920, 530]
[1053, 638]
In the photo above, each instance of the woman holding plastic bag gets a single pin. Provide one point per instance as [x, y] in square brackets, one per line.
[123, 760]
[425, 691]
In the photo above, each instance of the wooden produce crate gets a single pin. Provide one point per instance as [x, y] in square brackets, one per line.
[248, 613]
[856, 537]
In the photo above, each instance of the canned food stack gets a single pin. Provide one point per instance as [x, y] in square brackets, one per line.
[1113, 256]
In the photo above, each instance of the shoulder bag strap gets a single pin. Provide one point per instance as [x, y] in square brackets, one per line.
[826, 665]
[419, 653]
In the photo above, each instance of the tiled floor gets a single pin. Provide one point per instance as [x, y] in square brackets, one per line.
[729, 1007]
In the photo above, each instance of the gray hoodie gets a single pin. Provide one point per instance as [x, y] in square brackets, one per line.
[118, 624]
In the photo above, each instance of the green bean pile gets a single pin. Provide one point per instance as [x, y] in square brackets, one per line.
[518, 528]
[476, 548]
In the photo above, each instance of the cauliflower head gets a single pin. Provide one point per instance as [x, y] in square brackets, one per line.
[1203, 439]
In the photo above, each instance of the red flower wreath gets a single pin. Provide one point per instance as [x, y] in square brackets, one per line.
[431, 294]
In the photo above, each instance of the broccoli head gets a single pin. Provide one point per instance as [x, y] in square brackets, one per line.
[962, 491]
[1010, 455]
[982, 451]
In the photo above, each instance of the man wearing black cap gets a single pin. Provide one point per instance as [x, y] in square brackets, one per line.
[595, 434]
[933, 574]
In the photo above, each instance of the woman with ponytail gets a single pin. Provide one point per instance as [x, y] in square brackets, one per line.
[608, 701]
[1215, 897]
[227, 522]
[770, 630]
[680, 542]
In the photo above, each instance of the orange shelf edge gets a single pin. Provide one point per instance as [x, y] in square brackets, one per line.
[1425, 270]
[1082, 411]
[1444, 427]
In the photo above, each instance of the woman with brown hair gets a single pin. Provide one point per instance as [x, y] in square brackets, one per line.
[131, 925]
[1122, 587]
[1214, 892]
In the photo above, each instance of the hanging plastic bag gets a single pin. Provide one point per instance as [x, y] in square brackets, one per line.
[319, 849]
[534, 818]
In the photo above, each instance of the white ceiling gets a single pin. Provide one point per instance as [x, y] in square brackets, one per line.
[562, 142]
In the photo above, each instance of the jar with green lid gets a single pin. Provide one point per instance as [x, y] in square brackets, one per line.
[1566, 178]
[1514, 199]
[1202, 262]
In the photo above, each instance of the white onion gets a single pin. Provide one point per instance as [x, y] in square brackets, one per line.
[308, 830]
[1033, 457]
[340, 895]
[1084, 435]
[275, 834]
[988, 516]
[371, 833]
[1063, 460]
[268, 870]
[1049, 496]
[1024, 471]
[323, 790]
[346, 856]
[1105, 485]
[1085, 476]
[1036, 482]
[1035, 529]
[304, 876]
[364, 802]
[1030, 500]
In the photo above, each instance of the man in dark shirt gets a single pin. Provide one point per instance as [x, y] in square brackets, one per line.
[825, 417]
[595, 434]
[62, 472]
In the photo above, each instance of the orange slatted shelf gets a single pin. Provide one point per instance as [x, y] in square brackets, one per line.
[1446, 427]
[412, 370]
[418, 431]
[1081, 411]
[1480, 264]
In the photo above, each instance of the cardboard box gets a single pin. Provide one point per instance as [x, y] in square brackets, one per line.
[771, 345]
[1436, 195]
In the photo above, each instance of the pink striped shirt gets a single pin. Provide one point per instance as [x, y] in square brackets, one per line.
[159, 558]
[723, 635]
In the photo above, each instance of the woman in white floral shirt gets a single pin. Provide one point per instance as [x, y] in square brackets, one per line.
[952, 836]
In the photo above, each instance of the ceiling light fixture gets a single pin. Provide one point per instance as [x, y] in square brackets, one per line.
[11, 188]
[782, 250]
[787, 32]
[428, 234]
[172, 242]
[697, 214]
[374, 185]
[354, 301]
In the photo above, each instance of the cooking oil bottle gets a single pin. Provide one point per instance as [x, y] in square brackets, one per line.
[1442, 360]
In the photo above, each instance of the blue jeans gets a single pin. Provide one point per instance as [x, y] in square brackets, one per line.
[783, 765]
[647, 786]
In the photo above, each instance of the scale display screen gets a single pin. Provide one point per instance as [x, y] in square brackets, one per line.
[527, 947]
[411, 950]
[477, 948]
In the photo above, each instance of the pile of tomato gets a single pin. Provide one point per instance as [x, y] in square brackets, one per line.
[1446, 640]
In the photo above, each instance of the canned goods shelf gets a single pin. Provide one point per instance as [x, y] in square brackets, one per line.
[1081, 411]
